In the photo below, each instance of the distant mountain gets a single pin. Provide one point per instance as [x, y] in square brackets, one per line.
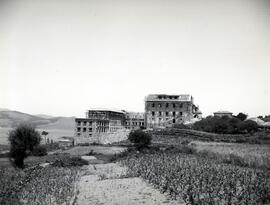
[56, 126]
[44, 116]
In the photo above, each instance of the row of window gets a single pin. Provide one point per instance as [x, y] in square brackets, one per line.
[167, 105]
[84, 129]
[135, 123]
[160, 119]
[166, 113]
[84, 123]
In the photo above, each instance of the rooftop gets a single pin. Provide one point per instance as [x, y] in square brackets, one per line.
[165, 97]
[223, 112]
[106, 110]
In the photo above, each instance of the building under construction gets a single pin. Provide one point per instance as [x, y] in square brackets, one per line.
[165, 110]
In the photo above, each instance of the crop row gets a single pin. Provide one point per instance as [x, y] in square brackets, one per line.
[200, 180]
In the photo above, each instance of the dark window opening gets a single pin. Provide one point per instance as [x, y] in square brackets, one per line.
[173, 121]
[78, 129]
[173, 113]
[153, 104]
[167, 104]
[167, 113]
[84, 129]
[153, 113]
[160, 113]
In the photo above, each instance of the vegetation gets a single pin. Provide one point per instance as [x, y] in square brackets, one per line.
[39, 151]
[200, 180]
[22, 139]
[140, 138]
[226, 125]
[51, 185]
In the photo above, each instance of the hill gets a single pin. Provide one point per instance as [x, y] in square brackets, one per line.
[55, 126]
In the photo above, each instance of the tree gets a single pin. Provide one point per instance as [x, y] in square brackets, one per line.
[241, 116]
[45, 134]
[140, 138]
[22, 139]
[248, 126]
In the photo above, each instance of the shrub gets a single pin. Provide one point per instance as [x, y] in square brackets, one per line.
[248, 126]
[226, 125]
[68, 161]
[140, 139]
[39, 151]
[22, 140]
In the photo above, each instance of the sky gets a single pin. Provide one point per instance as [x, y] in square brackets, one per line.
[62, 57]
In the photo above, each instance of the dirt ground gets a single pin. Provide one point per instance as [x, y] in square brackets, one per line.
[107, 184]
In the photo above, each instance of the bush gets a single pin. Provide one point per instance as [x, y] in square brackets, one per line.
[68, 161]
[39, 151]
[226, 125]
[23, 139]
[140, 139]
[248, 126]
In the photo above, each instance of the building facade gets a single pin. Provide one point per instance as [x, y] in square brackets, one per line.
[98, 122]
[134, 120]
[165, 110]
[223, 113]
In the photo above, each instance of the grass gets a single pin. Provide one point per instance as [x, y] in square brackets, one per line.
[53, 184]
[200, 180]
[256, 156]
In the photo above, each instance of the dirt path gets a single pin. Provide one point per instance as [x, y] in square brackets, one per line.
[106, 184]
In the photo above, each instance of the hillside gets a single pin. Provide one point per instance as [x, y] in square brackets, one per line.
[55, 126]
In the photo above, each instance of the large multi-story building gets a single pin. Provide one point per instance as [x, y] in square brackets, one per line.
[134, 120]
[165, 110]
[99, 121]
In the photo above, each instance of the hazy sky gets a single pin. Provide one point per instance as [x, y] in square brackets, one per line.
[63, 57]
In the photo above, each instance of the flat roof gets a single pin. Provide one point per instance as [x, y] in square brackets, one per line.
[166, 97]
[106, 110]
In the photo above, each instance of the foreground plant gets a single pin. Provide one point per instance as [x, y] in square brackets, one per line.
[200, 180]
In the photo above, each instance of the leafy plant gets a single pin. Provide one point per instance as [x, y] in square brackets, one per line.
[140, 138]
[22, 139]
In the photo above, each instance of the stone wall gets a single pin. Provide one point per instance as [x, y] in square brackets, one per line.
[103, 138]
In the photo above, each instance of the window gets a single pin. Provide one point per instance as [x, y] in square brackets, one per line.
[78, 129]
[153, 113]
[181, 105]
[79, 123]
[159, 113]
[173, 121]
[90, 129]
[84, 129]
[173, 113]
[78, 134]
[90, 135]
[181, 113]
[167, 113]
[84, 123]
[173, 105]
[167, 104]
[153, 104]
[159, 105]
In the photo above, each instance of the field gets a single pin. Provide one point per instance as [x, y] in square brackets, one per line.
[202, 171]
[200, 180]
[38, 184]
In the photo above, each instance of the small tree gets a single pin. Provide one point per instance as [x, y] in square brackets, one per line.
[45, 134]
[140, 139]
[22, 139]
[241, 116]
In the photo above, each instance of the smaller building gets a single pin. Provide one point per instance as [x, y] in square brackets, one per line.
[134, 120]
[65, 142]
[223, 113]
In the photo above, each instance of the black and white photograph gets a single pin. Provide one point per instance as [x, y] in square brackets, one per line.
[135, 102]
